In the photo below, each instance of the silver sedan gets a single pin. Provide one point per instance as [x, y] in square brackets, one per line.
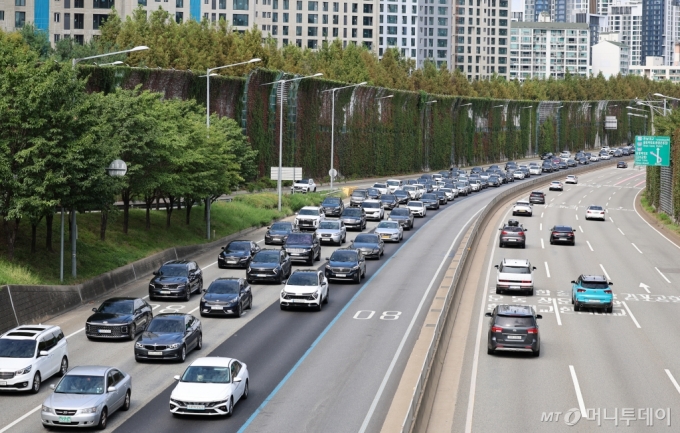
[390, 231]
[333, 231]
[86, 396]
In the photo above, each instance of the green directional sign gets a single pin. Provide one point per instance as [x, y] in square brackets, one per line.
[652, 150]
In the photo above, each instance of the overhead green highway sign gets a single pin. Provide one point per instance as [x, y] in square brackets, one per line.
[652, 150]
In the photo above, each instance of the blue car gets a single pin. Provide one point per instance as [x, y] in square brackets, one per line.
[592, 291]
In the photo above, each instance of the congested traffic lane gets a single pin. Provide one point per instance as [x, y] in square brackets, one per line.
[589, 360]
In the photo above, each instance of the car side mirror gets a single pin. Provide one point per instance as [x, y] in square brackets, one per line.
[496, 266]
[156, 272]
[284, 282]
[296, 213]
[237, 380]
[53, 386]
[204, 290]
[328, 259]
[94, 309]
[611, 284]
[573, 282]
[526, 230]
[534, 268]
[538, 316]
[43, 353]
[487, 315]
[111, 389]
[500, 229]
[176, 377]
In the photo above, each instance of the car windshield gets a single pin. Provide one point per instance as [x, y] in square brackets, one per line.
[537, 194]
[332, 225]
[445, 190]
[515, 270]
[206, 374]
[415, 204]
[460, 185]
[366, 239]
[352, 212]
[595, 208]
[373, 191]
[429, 197]
[344, 256]
[602, 285]
[380, 185]
[116, 307]
[299, 238]
[331, 201]
[388, 225]
[302, 181]
[303, 279]
[266, 257]
[166, 325]
[10, 348]
[370, 205]
[400, 192]
[562, 229]
[173, 271]
[512, 229]
[359, 194]
[522, 203]
[225, 287]
[399, 212]
[237, 246]
[393, 182]
[308, 212]
[76, 384]
[409, 188]
[387, 198]
[514, 321]
[281, 226]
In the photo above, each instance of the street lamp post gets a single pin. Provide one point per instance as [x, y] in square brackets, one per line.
[331, 173]
[74, 227]
[524, 108]
[208, 74]
[282, 83]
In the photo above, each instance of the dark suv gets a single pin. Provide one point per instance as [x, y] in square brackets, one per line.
[537, 197]
[547, 167]
[332, 206]
[358, 196]
[269, 264]
[176, 279]
[303, 247]
[354, 218]
[513, 328]
[346, 264]
[237, 254]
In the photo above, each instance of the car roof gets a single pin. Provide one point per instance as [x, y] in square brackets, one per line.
[311, 207]
[170, 315]
[516, 262]
[522, 202]
[537, 192]
[563, 228]
[371, 201]
[91, 370]
[29, 332]
[180, 262]
[515, 310]
[212, 361]
[307, 271]
[230, 278]
[594, 278]
[120, 298]
[354, 250]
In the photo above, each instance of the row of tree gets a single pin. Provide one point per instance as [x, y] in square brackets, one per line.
[56, 142]
[198, 46]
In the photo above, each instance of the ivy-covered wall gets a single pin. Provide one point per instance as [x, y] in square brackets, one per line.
[377, 136]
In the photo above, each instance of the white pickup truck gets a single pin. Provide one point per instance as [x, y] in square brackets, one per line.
[304, 186]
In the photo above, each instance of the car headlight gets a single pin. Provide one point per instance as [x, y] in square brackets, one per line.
[181, 286]
[297, 222]
[174, 346]
[315, 295]
[283, 293]
[355, 268]
[88, 410]
[151, 286]
[46, 409]
[328, 267]
[24, 370]
[139, 345]
[276, 270]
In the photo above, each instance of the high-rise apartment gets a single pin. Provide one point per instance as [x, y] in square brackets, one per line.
[660, 29]
[625, 18]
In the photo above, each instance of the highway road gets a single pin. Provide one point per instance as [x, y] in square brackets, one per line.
[590, 361]
[330, 371]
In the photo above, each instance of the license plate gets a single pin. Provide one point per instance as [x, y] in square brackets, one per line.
[155, 353]
[104, 331]
[512, 240]
[65, 419]
[195, 407]
[514, 337]
[593, 301]
[341, 275]
[260, 275]
[385, 236]
[165, 292]
[295, 254]
[296, 300]
[3, 383]
[231, 262]
[563, 239]
[514, 287]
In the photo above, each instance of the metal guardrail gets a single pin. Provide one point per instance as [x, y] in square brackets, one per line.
[421, 384]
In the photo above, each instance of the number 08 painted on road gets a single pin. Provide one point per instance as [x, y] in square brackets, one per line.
[368, 314]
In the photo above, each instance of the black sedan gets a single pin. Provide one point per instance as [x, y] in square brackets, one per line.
[403, 216]
[402, 196]
[430, 200]
[277, 233]
[369, 244]
[621, 164]
[119, 318]
[562, 234]
[583, 161]
[237, 254]
[346, 264]
[571, 163]
[443, 199]
[227, 297]
[169, 336]
[332, 206]
[512, 235]
[269, 265]
[389, 201]
[176, 279]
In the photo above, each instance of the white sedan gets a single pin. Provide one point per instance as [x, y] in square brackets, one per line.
[556, 185]
[382, 187]
[305, 289]
[522, 208]
[418, 208]
[605, 156]
[390, 231]
[595, 212]
[518, 174]
[571, 179]
[210, 386]
[413, 192]
[594, 158]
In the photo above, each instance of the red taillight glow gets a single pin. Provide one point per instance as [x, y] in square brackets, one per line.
[526, 281]
[496, 329]
[608, 292]
[581, 290]
[504, 233]
[532, 331]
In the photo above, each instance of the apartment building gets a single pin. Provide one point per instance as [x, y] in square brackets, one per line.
[660, 29]
[656, 70]
[610, 57]
[544, 50]
[625, 18]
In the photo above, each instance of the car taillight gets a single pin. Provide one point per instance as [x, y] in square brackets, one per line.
[526, 281]
[608, 292]
[532, 331]
[504, 232]
[580, 290]
[496, 329]
[570, 234]
[555, 233]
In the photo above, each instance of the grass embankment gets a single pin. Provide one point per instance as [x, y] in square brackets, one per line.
[662, 217]
[96, 257]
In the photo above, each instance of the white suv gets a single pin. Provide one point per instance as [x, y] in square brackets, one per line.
[309, 217]
[515, 276]
[373, 209]
[30, 354]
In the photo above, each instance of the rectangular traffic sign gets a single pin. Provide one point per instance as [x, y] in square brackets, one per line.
[652, 150]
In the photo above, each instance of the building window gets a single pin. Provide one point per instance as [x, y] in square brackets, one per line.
[391, 30]
[442, 43]
[312, 6]
[179, 17]
[240, 5]
[285, 32]
[179, 3]
[391, 41]
[98, 20]
[240, 19]
[80, 39]
[312, 44]
[286, 6]
[79, 21]
[336, 7]
[441, 54]
[57, 38]
[442, 11]
[298, 30]
[368, 21]
[298, 18]
[391, 19]
[57, 16]
[442, 32]
[354, 33]
[103, 4]
[19, 19]
[312, 31]
[368, 9]
[298, 6]
[335, 19]
[141, 2]
[285, 17]
[275, 17]
[325, 6]
[368, 33]
[78, 4]
[335, 32]
[67, 21]
[223, 4]
[312, 18]
[20, 3]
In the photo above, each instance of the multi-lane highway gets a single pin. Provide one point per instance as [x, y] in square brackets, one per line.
[338, 369]
[590, 361]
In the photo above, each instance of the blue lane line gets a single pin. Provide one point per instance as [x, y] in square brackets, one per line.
[325, 331]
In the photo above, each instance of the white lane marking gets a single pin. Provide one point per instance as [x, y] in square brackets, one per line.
[145, 297]
[614, 192]
[77, 332]
[542, 244]
[673, 381]
[590, 246]
[475, 359]
[609, 198]
[259, 242]
[197, 309]
[560, 194]
[17, 421]
[605, 272]
[579, 227]
[541, 214]
[592, 190]
[610, 219]
[212, 264]
[579, 202]
[576, 217]
[557, 312]
[645, 286]
[577, 388]
[635, 246]
[540, 227]
[547, 269]
[622, 232]
[638, 214]
[585, 196]
[630, 313]
[397, 354]
[552, 200]
[660, 273]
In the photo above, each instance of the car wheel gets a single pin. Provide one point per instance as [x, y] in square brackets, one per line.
[530, 292]
[103, 419]
[318, 256]
[328, 295]
[500, 245]
[537, 353]
[577, 307]
[610, 309]
[126, 402]
[573, 243]
[245, 392]
[187, 295]
[499, 291]
[250, 302]
[133, 331]
[267, 243]
[183, 354]
[283, 308]
[64, 366]
[37, 381]
[524, 246]
[230, 408]
[239, 310]
[310, 261]
[344, 238]
[489, 351]
[151, 298]
[357, 278]
[572, 299]
[551, 241]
